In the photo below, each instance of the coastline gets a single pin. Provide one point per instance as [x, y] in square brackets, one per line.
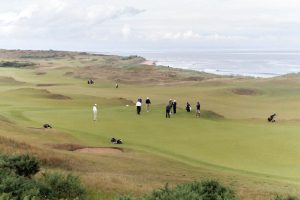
[257, 64]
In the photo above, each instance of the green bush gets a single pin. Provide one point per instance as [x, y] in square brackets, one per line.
[17, 182]
[62, 186]
[286, 198]
[22, 165]
[15, 64]
[14, 187]
[206, 190]
[126, 198]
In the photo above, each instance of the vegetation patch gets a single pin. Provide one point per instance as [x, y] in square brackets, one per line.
[195, 78]
[18, 181]
[246, 91]
[15, 64]
[208, 114]
[205, 190]
[278, 197]
[40, 73]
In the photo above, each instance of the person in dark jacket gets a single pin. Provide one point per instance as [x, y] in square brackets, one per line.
[198, 109]
[168, 110]
[188, 107]
[174, 106]
[171, 105]
[148, 102]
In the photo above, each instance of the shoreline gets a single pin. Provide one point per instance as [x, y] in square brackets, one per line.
[156, 62]
[256, 64]
[213, 71]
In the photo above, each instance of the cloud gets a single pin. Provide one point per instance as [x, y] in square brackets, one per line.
[94, 23]
[60, 18]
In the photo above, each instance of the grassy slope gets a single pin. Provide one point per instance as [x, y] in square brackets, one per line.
[243, 150]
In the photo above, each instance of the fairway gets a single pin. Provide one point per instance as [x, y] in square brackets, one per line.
[232, 136]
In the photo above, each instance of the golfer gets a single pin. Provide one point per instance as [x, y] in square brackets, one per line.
[95, 112]
[174, 106]
[168, 110]
[138, 107]
[198, 109]
[148, 102]
[188, 107]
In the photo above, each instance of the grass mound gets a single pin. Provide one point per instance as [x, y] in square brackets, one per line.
[4, 119]
[208, 114]
[39, 93]
[246, 91]
[9, 81]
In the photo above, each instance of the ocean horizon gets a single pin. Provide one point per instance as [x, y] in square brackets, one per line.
[254, 63]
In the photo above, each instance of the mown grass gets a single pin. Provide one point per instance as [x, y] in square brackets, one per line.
[231, 141]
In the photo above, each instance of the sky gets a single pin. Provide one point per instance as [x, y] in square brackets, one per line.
[98, 25]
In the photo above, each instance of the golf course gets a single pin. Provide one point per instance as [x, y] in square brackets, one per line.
[231, 142]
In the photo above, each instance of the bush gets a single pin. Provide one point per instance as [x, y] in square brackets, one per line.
[17, 187]
[15, 64]
[62, 186]
[126, 198]
[22, 165]
[206, 190]
[16, 182]
[286, 198]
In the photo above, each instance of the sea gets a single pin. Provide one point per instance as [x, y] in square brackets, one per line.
[254, 63]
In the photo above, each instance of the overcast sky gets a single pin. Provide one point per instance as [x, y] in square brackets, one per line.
[98, 25]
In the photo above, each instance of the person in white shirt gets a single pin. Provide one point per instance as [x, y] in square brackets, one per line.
[138, 107]
[95, 112]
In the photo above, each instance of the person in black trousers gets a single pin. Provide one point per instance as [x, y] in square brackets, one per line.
[148, 102]
[168, 110]
[174, 106]
[198, 109]
[171, 105]
[188, 107]
[138, 107]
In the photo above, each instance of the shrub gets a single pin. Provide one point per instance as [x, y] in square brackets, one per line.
[15, 64]
[22, 165]
[206, 190]
[17, 187]
[62, 186]
[126, 198]
[16, 182]
[277, 197]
